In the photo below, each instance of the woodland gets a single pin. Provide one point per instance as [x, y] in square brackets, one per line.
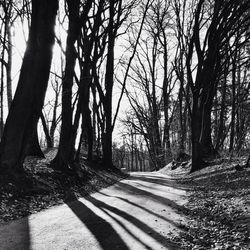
[94, 89]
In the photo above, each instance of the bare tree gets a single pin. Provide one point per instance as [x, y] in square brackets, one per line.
[220, 26]
[28, 100]
[62, 159]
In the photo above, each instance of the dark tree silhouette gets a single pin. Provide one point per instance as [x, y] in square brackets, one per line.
[62, 159]
[29, 97]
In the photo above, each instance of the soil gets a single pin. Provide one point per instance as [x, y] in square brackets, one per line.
[143, 211]
[218, 208]
[46, 187]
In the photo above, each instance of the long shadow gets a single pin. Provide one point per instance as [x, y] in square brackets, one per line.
[15, 235]
[141, 225]
[151, 175]
[105, 234]
[156, 187]
[144, 209]
[137, 191]
[160, 181]
[231, 173]
[210, 174]
[125, 228]
[218, 175]
[233, 183]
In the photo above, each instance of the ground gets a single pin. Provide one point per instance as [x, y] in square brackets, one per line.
[218, 208]
[140, 212]
[49, 187]
[169, 209]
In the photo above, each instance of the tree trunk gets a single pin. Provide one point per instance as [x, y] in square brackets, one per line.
[34, 148]
[74, 129]
[208, 149]
[3, 64]
[181, 130]
[89, 130]
[29, 97]
[233, 112]
[197, 162]
[1, 100]
[109, 81]
[9, 66]
[166, 136]
[54, 121]
[221, 127]
[86, 114]
[46, 132]
[61, 161]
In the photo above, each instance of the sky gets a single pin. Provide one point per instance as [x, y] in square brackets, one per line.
[20, 36]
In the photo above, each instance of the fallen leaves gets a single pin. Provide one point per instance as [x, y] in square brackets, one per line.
[49, 187]
[218, 209]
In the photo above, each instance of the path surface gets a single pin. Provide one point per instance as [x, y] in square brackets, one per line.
[136, 213]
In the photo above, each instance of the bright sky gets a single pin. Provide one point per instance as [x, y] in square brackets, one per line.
[20, 36]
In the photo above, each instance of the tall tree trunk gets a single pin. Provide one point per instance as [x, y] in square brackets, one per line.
[61, 161]
[29, 97]
[166, 136]
[187, 121]
[205, 137]
[221, 127]
[181, 130]
[109, 81]
[233, 112]
[240, 119]
[94, 115]
[1, 100]
[197, 162]
[155, 111]
[3, 65]
[206, 143]
[87, 128]
[54, 121]
[9, 65]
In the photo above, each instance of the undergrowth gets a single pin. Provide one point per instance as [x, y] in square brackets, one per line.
[49, 187]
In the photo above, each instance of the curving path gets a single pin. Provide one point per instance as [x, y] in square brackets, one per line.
[136, 213]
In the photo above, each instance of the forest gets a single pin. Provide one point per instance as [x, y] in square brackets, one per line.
[121, 86]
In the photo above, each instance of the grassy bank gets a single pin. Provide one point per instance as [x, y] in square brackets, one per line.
[48, 187]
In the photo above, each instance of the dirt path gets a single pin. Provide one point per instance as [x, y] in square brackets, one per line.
[136, 213]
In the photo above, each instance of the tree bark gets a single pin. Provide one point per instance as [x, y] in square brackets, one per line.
[34, 148]
[221, 127]
[61, 161]
[46, 132]
[197, 161]
[166, 136]
[233, 112]
[29, 97]
[9, 66]
[83, 110]
[54, 121]
[109, 81]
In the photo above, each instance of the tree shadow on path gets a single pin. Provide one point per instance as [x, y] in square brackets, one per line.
[144, 209]
[105, 234]
[15, 235]
[157, 198]
[163, 181]
[138, 223]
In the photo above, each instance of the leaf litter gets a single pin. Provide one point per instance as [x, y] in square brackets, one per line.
[218, 208]
[49, 187]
